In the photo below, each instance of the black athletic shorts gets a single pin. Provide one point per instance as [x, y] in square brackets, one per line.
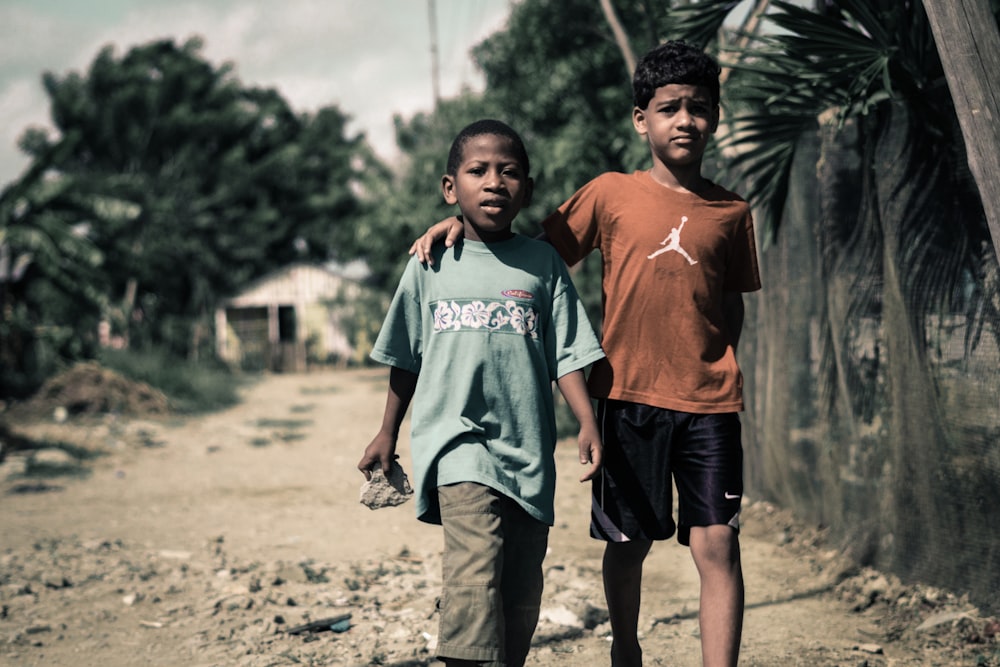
[646, 447]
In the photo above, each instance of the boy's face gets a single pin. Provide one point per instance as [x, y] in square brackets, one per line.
[489, 186]
[677, 123]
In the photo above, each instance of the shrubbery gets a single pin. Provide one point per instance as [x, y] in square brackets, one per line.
[192, 387]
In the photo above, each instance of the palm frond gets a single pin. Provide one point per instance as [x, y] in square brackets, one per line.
[698, 23]
[810, 64]
[761, 149]
[843, 48]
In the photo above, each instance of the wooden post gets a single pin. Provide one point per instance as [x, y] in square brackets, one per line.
[273, 339]
[221, 334]
[968, 43]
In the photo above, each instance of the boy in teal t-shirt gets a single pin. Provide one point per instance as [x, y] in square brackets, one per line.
[477, 341]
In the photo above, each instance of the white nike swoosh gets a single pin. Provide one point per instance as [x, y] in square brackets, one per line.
[731, 496]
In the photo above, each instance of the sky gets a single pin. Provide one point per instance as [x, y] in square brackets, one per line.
[370, 58]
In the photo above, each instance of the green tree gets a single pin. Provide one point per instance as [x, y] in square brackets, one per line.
[566, 91]
[225, 183]
[48, 270]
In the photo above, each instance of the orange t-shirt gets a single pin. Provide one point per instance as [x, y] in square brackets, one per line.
[667, 259]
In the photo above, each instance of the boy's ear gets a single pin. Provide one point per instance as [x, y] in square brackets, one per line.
[716, 114]
[639, 120]
[448, 189]
[529, 189]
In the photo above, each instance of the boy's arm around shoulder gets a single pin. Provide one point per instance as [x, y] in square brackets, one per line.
[381, 451]
[574, 389]
[450, 229]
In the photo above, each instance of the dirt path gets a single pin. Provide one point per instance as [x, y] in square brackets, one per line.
[204, 541]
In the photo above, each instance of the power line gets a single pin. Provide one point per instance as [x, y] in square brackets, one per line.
[435, 65]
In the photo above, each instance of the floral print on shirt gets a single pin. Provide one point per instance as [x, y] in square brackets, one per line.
[495, 316]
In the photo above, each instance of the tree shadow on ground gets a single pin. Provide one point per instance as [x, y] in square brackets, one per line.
[42, 461]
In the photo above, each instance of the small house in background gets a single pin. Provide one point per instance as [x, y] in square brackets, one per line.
[293, 318]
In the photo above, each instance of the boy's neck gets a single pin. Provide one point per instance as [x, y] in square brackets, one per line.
[497, 236]
[684, 179]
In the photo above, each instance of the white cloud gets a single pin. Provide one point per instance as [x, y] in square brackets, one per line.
[370, 58]
[20, 101]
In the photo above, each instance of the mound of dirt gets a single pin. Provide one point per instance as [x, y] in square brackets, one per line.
[90, 389]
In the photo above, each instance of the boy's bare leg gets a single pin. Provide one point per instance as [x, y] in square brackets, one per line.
[716, 552]
[622, 589]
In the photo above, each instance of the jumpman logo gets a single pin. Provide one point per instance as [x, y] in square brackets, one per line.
[673, 242]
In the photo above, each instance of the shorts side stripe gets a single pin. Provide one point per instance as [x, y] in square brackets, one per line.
[601, 525]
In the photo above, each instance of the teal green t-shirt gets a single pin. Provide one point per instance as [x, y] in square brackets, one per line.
[488, 328]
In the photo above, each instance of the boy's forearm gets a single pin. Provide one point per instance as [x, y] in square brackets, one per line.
[402, 385]
[381, 451]
[589, 446]
[573, 387]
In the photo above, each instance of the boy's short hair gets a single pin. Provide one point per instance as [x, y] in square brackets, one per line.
[479, 128]
[674, 62]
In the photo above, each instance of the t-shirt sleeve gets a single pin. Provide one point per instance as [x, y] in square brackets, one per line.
[571, 342]
[743, 273]
[399, 341]
[574, 230]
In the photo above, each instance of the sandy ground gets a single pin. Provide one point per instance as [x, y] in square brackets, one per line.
[212, 540]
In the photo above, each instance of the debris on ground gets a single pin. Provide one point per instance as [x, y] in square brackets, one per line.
[89, 389]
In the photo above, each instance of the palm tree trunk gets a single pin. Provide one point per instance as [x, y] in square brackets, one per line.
[918, 533]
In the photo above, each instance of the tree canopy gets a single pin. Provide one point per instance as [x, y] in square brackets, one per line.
[187, 184]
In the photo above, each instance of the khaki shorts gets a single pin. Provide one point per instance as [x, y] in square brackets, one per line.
[491, 575]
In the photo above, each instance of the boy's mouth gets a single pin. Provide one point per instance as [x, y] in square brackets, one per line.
[499, 204]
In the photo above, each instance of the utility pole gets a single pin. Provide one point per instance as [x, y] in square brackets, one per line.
[969, 45]
[435, 68]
